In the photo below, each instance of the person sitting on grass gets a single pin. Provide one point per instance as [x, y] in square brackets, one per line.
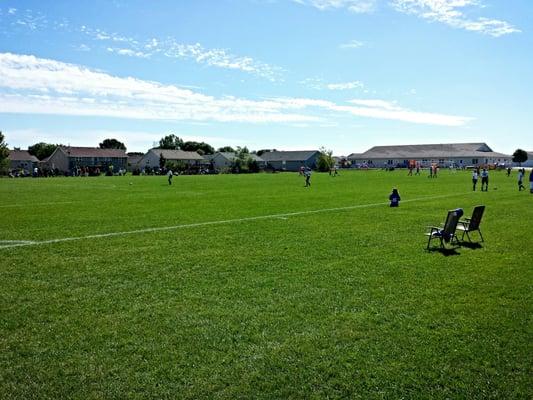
[394, 198]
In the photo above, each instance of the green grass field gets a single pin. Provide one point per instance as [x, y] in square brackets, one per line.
[343, 302]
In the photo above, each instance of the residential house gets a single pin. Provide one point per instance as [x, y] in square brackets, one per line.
[133, 161]
[224, 160]
[68, 159]
[188, 158]
[22, 160]
[456, 154]
[291, 160]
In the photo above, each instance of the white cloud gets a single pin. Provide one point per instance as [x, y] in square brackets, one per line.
[355, 6]
[319, 84]
[12, 11]
[41, 86]
[352, 44]
[128, 52]
[345, 85]
[452, 13]
[220, 58]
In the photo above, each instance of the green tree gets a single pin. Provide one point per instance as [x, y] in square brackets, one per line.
[4, 154]
[325, 160]
[112, 144]
[42, 150]
[520, 156]
[198, 146]
[262, 151]
[162, 160]
[226, 149]
[170, 142]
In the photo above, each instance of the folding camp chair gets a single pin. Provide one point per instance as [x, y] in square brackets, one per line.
[472, 224]
[445, 233]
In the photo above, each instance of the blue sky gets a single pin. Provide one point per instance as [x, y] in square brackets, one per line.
[285, 74]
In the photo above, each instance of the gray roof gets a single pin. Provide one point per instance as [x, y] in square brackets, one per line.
[177, 154]
[21, 155]
[231, 156]
[302, 155]
[92, 152]
[135, 159]
[429, 151]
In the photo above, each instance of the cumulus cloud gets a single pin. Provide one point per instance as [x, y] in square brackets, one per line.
[42, 86]
[453, 13]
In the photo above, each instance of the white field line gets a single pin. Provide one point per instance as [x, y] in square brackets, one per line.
[21, 243]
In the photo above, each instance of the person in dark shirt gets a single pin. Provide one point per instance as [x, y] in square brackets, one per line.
[394, 198]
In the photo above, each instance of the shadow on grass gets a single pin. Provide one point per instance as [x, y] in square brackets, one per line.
[445, 252]
[470, 245]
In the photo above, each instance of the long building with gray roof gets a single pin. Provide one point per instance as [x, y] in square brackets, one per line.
[291, 160]
[457, 154]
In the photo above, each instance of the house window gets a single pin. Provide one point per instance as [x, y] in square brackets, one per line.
[474, 161]
[389, 162]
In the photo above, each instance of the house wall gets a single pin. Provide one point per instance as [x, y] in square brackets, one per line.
[102, 162]
[26, 165]
[58, 160]
[221, 162]
[292, 165]
[426, 162]
[150, 159]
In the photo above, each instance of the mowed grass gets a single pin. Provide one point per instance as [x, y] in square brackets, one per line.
[339, 303]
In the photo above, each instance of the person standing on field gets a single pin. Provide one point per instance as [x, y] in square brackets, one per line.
[485, 179]
[531, 181]
[169, 175]
[307, 174]
[474, 180]
[520, 178]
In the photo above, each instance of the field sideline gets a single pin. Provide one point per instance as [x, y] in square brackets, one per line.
[252, 286]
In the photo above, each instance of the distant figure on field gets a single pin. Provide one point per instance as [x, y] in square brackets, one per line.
[508, 171]
[485, 179]
[394, 198]
[530, 181]
[417, 169]
[302, 170]
[430, 171]
[520, 179]
[307, 174]
[169, 175]
[474, 180]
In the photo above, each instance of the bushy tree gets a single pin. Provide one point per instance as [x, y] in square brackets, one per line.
[243, 162]
[262, 151]
[162, 160]
[170, 142]
[42, 150]
[112, 144]
[4, 154]
[520, 156]
[198, 146]
[226, 149]
[325, 160]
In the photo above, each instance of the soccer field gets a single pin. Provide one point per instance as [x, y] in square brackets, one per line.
[253, 286]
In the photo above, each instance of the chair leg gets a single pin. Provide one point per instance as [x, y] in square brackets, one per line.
[480, 235]
[468, 236]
